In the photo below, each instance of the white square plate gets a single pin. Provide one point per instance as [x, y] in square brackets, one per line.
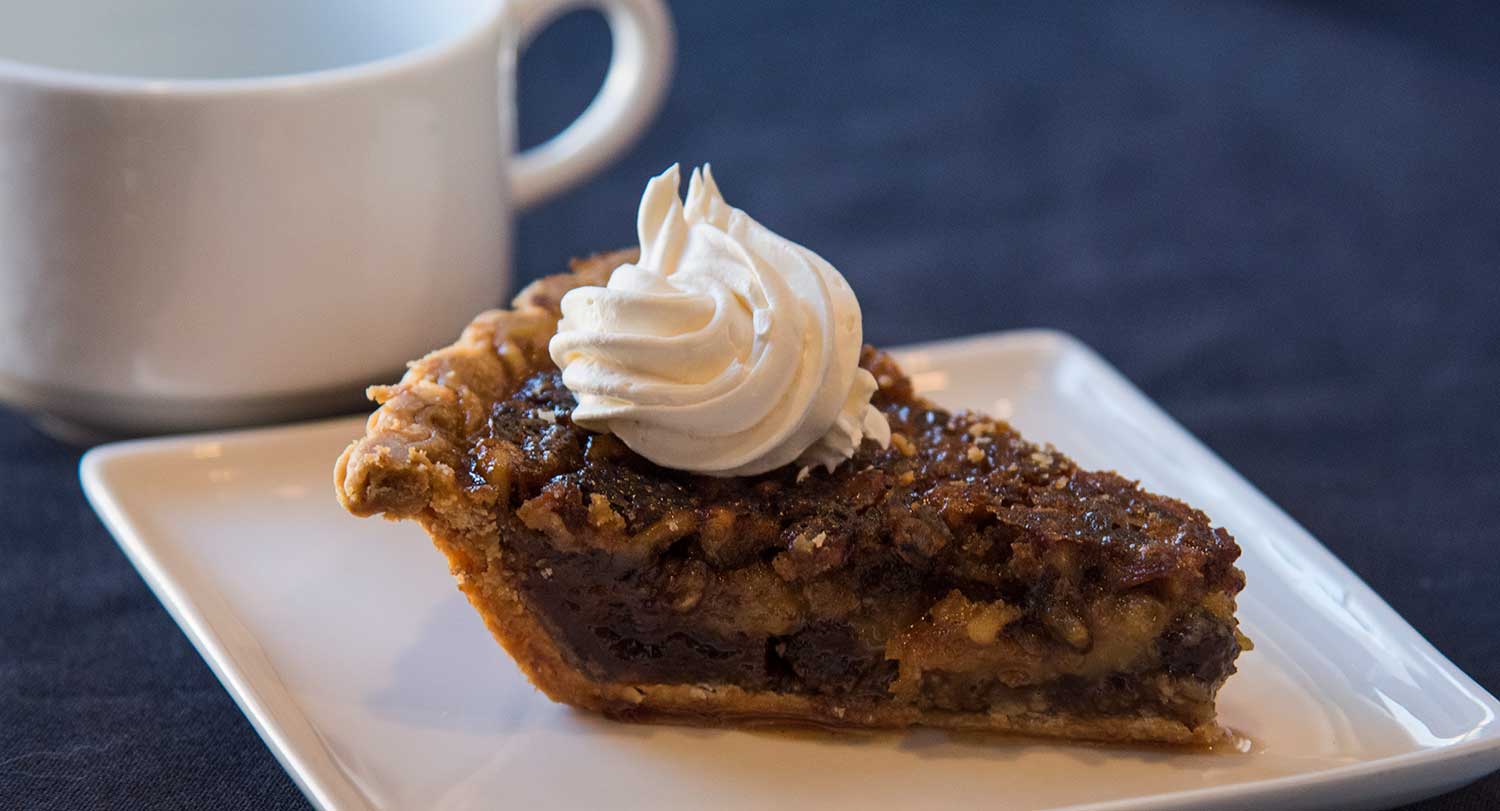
[349, 648]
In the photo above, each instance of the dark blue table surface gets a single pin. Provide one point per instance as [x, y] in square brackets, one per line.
[1280, 219]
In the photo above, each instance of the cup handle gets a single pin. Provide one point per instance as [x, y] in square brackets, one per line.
[640, 71]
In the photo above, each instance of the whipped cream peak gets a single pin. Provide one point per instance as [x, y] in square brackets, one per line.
[725, 349]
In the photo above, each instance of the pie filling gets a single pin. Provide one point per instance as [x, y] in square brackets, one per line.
[961, 569]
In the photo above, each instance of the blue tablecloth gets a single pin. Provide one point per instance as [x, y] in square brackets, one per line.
[1280, 219]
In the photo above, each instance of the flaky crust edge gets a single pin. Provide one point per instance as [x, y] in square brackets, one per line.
[408, 466]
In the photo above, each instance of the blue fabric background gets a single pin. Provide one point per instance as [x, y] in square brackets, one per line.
[1280, 219]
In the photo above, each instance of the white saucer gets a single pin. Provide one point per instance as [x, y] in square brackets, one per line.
[349, 648]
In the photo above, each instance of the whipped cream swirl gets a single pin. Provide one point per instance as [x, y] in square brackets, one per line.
[726, 350]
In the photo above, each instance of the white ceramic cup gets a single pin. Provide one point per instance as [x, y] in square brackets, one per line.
[220, 212]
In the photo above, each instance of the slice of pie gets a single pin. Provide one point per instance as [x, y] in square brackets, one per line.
[959, 577]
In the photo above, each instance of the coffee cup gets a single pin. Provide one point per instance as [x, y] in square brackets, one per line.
[229, 212]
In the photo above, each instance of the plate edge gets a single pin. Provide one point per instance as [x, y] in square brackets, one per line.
[92, 478]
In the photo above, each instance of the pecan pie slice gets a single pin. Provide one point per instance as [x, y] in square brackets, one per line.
[962, 577]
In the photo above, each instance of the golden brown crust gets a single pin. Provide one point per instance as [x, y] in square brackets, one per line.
[413, 442]
[409, 464]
